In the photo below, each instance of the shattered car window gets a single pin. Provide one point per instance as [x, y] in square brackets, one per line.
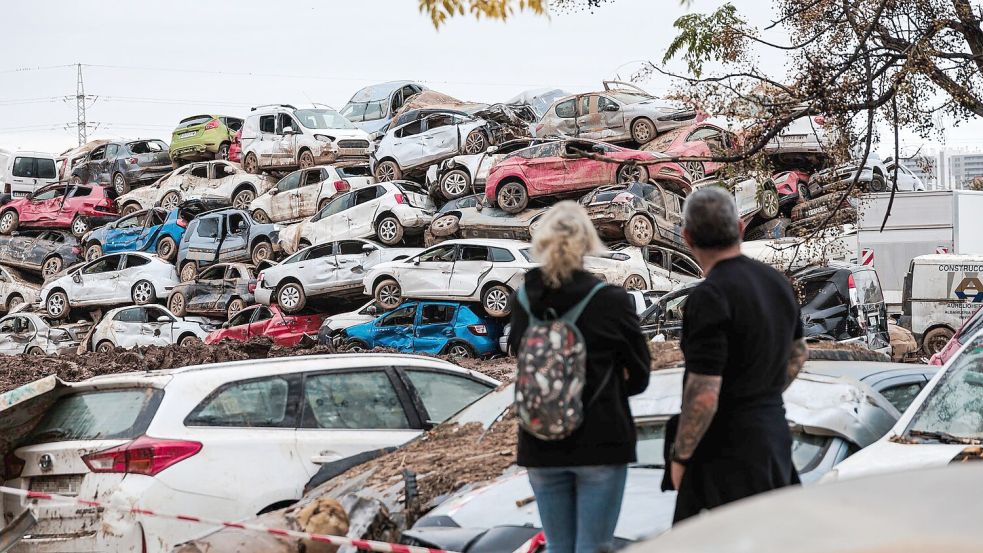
[147, 147]
[953, 410]
[322, 119]
[445, 394]
[436, 313]
[567, 109]
[103, 415]
[820, 294]
[400, 317]
[250, 403]
[362, 400]
[629, 98]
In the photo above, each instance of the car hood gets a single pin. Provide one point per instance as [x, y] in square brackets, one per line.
[358, 134]
[890, 456]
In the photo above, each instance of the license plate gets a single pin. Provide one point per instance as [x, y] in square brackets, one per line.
[794, 137]
[67, 484]
[187, 134]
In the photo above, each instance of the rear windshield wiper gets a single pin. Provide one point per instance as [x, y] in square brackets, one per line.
[944, 437]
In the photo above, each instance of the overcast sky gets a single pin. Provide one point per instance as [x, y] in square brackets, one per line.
[150, 65]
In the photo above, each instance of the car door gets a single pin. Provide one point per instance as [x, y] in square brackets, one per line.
[150, 229]
[238, 326]
[207, 288]
[304, 200]
[347, 412]
[611, 118]
[901, 390]
[265, 146]
[546, 170]
[395, 329]
[566, 118]
[97, 281]
[433, 327]
[443, 393]
[205, 239]
[158, 326]
[287, 129]
[262, 318]
[430, 271]
[126, 328]
[589, 122]
[235, 242]
[230, 286]
[105, 168]
[472, 264]
[331, 222]
[407, 144]
[440, 137]
[95, 166]
[9, 342]
[124, 236]
[285, 203]
[361, 215]
[318, 270]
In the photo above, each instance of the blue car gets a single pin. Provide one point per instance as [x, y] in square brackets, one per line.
[451, 328]
[151, 230]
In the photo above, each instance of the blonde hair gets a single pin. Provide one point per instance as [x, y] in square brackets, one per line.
[561, 240]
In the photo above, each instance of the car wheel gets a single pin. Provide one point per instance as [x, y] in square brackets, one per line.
[129, 209]
[321, 205]
[512, 197]
[57, 304]
[495, 300]
[9, 222]
[770, 205]
[388, 294]
[189, 340]
[188, 271]
[387, 171]
[455, 184]
[475, 143]
[642, 131]
[120, 185]
[445, 225]
[632, 173]
[306, 159]
[80, 226]
[223, 151]
[635, 282]
[243, 198]
[935, 340]
[261, 252]
[457, 350]
[390, 230]
[291, 298]
[695, 169]
[52, 266]
[639, 230]
[34, 350]
[143, 293]
[170, 200]
[14, 302]
[177, 304]
[355, 346]
[235, 306]
[804, 193]
[105, 346]
[261, 217]
[303, 244]
[167, 248]
[76, 179]
[250, 164]
[877, 183]
[93, 252]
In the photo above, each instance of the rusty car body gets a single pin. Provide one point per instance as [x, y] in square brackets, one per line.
[303, 193]
[222, 290]
[640, 212]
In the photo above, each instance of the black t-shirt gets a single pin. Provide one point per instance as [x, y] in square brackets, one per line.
[740, 324]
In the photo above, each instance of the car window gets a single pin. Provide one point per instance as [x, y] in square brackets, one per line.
[200, 171]
[401, 317]
[212, 273]
[357, 400]
[313, 176]
[242, 317]
[441, 120]
[147, 147]
[267, 124]
[683, 265]
[366, 194]
[157, 217]
[351, 247]
[604, 102]
[444, 394]
[954, 406]
[583, 105]
[567, 109]
[97, 415]
[102, 265]
[703, 133]
[336, 206]
[233, 273]
[8, 326]
[819, 294]
[289, 182]
[237, 223]
[32, 167]
[79, 191]
[49, 194]
[135, 261]
[901, 395]
[262, 314]
[112, 151]
[436, 313]
[501, 255]
[473, 253]
[154, 313]
[251, 403]
[807, 450]
[233, 123]
[868, 287]
[208, 227]
[131, 222]
[651, 441]
[134, 315]
[283, 121]
[321, 250]
[438, 254]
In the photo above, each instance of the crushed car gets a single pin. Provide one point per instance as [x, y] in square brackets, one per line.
[124, 165]
[224, 235]
[472, 217]
[221, 290]
[756, 197]
[873, 176]
[640, 213]
[466, 174]
[408, 149]
[153, 230]
[75, 207]
[373, 107]
[43, 252]
[268, 320]
[703, 139]
[203, 137]
[146, 325]
[340, 321]
[16, 289]
[35, 334]
[303, 193]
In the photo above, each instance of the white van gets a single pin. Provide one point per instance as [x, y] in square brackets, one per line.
[23, 172]
[940, 292]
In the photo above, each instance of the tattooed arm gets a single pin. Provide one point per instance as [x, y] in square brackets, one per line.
[700, 396]
[800, 353]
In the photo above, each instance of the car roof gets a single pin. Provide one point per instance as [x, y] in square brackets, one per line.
[380, 91]
[502, 242]
[29, 153]
[866, 371]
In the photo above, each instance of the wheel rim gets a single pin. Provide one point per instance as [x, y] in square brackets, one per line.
[142, 292]
[387, 230]
[105, 347]
[6, 222]
[635, 282]
[474, 143]
[455, 183]
[169, 201]
[631, 173]
[242, 199]
[289, 297]
[79, 226]
[15, 302]
[223, 152]
[119, 183]
[164, 248]
[511, 195]
[234, 308]
[56, 305]
[387, 172]
[188, 272]
[642, 131]
[130, 209]
[641, 229]
[771, 204]
[306, 160]
[695, 170]
[937, 343]
[459, 351]
[261, 217]
[262, 253]
[51, 267]
[444, 223]
[389, 295]
[250, 163]
[92, 253]
[496, 300]
[177, 303]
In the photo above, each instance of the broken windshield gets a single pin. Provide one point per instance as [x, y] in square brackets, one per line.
[364, 111]
[953, 411]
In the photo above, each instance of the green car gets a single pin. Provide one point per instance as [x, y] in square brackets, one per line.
[203, 137]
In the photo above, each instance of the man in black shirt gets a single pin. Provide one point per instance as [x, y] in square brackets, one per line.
[742, 341]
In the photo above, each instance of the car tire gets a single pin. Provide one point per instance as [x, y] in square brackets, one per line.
[877, 183]
[178, 304]
[323, 203]
[234, 307]
[354, 345]
[935, 340]
[455, 184]
[170, 201]
[52, 266]
[14, 301]
[57, 305]
[303, 244]
[696, 170]
[223, 151]
[93, 252]
[261, 217]
[388, 294]
[388, 170]
[120, 185]
[243, 198]
[129, 209]
[291, 297]
[306, 159]
[512, 197]
[262, 251]
[76, 179]
[188, 340]
[475, 143]
[389, 230]
[632, 173]
[459, 350]
[80, 226]
[105, 346]
[143, 293]
[189, 271]
[770, 204]
[643, 130]
[167, 249]
[9, 221]
[34, 350]
[496, 301]
[250, 164]
[635, 282]
[445, 225]
[639, 230]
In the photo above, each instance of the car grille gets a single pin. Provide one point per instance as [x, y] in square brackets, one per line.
[62, 484]
[353, 144]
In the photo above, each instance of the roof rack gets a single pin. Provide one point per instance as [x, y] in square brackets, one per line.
[288, 106]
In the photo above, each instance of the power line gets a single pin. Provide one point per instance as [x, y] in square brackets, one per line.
[35, 68]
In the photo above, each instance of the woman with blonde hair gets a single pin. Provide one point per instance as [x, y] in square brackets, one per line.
[579, 480]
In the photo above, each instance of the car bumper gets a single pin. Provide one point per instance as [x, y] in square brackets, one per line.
[193, 151]
[414, 218]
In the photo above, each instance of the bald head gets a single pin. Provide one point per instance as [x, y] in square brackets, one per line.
[710, 219]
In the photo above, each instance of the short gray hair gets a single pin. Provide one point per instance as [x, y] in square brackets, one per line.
[710, 216]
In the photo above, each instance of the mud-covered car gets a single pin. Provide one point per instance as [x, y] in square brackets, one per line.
[35, 334]
[756, 197]
[267, 320]
[145, 325]
[16, 289]
[216, 183]
[873, 176]
[43, 252]
[627, 266]
[409, 149]
[466, 173]
[153, 230]
[225, 235]
[75, 207]
[702, 139]
[203, 137]
[641, 213]
[221, 290]
[124, 165]
[303, 193]
[372, 107]
[472, 217]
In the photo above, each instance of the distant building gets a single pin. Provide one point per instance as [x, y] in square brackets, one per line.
[925, 168]
[963, 168]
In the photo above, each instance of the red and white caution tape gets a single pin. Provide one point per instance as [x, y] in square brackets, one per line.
[365, 545]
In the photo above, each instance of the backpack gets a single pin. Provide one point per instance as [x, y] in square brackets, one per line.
[551, 372]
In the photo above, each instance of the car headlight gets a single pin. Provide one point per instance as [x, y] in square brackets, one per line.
[60, 335]
[323, 138]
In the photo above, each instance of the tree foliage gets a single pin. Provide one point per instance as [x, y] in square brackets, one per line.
[709, 37]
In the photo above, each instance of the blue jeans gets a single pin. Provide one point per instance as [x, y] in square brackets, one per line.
[579, 506]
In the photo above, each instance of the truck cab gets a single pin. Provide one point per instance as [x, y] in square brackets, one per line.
[940, 292]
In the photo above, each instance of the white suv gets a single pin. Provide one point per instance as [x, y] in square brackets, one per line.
[283, 138]
[225, 441]
[21, 173]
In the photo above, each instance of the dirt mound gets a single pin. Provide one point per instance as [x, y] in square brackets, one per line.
[834, 351]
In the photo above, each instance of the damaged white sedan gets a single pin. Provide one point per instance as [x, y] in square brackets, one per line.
[145, 325]
[216, 183]
[303, 193]
[410, 148]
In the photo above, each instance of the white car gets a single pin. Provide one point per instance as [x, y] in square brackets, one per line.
[16, 289]
[485, 271]
[223, 441]
[334, 268]
[336, 323]
[132, 277]
[387, 210]
[145, 325]
[411, 148]
[33, 334]
[214, 182]
[303, 193]
[942, 426]
[627, 266]
[22, 172]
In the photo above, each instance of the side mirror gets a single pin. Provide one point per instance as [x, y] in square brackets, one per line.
[163, 319]
[289, 130]
[229, 170]
[372, 310]
[77, 278]
[597, 149]
[368, 248]
[491, 149]
[274, 191]
[226, 324]
[612, 107]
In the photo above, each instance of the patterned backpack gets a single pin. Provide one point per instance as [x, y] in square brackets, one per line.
[552, 369]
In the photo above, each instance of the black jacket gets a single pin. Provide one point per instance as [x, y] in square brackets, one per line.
[614, 343]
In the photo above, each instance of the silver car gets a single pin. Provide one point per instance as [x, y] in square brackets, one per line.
[35, 334]
[410, 148]
[218, 183]
[621, 113]
[16, 289]
[146, 325]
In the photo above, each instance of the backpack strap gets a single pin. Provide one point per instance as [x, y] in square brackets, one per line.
[571, 316]
[523, 300]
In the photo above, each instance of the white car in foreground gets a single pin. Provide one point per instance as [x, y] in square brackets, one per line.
[224, 441]
[485, 271]
[145, 325]
[132, 277]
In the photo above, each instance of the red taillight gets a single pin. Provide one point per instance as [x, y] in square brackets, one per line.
[12, 466]
[341, 186]
[132, 160]
[478, 330]
[399, 198]
[76, 250]
[852, 284]
[213, 124]
[144, 455]
[181, 223]
[820, 120]
[251, 287]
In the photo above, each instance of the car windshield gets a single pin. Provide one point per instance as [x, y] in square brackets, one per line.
[607, 195]
[147, 146]
[665, 140]
[953, 410]
[97, 415]
[364, 111]
[629, 98]
[412, 187]
[322, 119]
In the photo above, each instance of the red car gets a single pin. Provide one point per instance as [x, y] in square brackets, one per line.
[235, 149]
[79, 207]
[700, 139]
[263, 320]
[791, 185]
[553, 169]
